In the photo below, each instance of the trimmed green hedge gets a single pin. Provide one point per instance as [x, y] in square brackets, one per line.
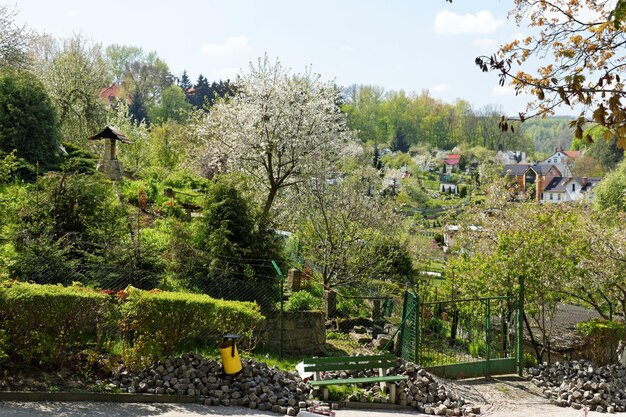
[162, 322]
[42, 324]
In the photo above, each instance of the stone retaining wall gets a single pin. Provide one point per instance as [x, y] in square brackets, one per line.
[304, 333]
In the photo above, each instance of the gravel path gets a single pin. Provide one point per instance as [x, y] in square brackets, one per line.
[498, 397]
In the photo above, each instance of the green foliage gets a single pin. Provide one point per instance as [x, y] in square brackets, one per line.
[66, 220]
[172, 106]
[28, 121]
[211, 254]
[303, 301]
[78, 160]
[529, 360]
[72, 317]
[162, 322]
[602, 337]
[610, 193]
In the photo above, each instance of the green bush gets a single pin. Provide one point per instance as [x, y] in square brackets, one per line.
[601, 338]
[43, 324]
[161, 322]
[303, 301]
[529, 360]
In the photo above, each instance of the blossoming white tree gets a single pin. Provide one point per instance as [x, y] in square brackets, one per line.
[278, 129]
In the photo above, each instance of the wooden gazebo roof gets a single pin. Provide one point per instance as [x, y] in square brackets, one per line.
[111, 133]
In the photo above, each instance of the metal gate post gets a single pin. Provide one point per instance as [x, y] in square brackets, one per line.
[487, 335]
[520, 328]
[417, 329]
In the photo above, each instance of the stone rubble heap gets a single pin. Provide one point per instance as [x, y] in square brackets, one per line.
[420, 391]
[262, 387]
[580, 384]
[257, 386]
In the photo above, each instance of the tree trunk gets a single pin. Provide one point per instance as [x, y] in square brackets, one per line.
[268, 206]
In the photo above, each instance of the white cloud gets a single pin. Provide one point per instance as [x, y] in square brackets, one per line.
[73, 12]
[506, 91]
[232, 45]
[439, 88]
[448, 23]
[485, 44]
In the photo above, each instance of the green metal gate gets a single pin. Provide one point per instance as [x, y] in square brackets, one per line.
[463, 338]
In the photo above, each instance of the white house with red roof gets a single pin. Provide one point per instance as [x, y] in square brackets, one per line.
[563, 160]
[450, 162]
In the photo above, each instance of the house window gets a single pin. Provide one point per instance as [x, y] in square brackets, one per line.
[542, 196]
[573, 187]
[550, 194]
[558, 197]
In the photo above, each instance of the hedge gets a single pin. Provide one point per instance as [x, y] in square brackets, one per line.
[42, 324]
[161, 322]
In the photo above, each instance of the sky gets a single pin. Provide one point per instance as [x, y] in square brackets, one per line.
[410, 45]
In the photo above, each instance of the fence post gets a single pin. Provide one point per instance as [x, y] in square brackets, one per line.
[418, 310]
[520, 328]
[487, 335]
[282, 304]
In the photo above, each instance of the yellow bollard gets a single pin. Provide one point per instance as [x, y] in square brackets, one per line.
[230, 357]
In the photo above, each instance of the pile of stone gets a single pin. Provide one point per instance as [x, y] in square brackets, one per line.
[580, 384]
[270, 389]
[420, 390]
[257, 386]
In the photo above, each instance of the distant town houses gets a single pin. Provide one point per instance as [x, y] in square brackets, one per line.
[548, 183]
[568, 189]
[511, 157]
[563, 160]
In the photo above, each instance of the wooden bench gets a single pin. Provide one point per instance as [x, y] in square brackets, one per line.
[348, 363]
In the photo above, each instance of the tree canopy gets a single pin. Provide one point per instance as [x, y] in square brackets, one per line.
[277, 128]
[575, 59]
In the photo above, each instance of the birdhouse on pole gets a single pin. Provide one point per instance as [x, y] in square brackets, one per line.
[109, 163]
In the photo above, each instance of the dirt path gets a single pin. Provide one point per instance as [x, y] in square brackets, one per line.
[511, 396]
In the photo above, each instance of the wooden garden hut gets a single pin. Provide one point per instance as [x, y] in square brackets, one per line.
[109, 163]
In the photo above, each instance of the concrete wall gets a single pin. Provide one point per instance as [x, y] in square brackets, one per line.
[304, 333]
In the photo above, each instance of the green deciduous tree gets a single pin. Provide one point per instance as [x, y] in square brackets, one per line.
[610, 193]
[74, 72]
[172, 105]
[14, 41]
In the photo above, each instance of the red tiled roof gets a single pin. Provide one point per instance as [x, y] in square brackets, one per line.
[572, 154]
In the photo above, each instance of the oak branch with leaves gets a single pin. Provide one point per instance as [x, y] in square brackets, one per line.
[578, 54]
[279, 128]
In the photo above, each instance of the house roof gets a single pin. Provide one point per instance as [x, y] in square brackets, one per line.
[111, 133]
[572, 154]
[559, 184]
[452, 159]
[543, 169]
[516, 169]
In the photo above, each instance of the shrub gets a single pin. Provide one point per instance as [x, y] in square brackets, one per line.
[162, 322]
[601, 338]
[529, 360]
[42, 324]
[303, 301]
